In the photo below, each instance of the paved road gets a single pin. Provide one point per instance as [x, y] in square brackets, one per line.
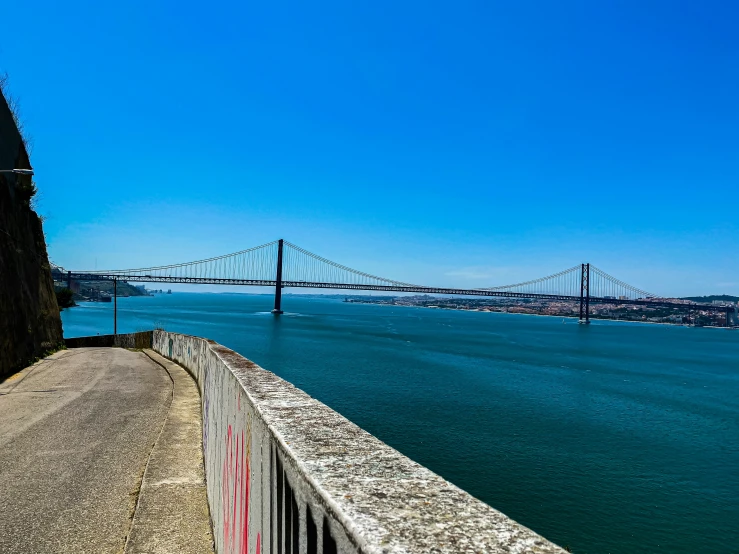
[76, 431]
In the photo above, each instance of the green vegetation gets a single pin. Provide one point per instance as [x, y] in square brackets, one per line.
[711, 298]
[26, 189]
[64, 297]
[91, 289]
[15, 111]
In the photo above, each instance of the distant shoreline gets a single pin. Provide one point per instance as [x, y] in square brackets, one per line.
[338, 299]
[551, 315]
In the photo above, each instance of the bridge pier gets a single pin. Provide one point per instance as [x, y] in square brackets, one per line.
[585, 294]
[278, 280]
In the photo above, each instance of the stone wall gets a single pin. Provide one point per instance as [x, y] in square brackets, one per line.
[285, 473]
[142, 339]
[29, 315]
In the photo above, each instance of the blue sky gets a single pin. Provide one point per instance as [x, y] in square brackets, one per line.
[462, 144]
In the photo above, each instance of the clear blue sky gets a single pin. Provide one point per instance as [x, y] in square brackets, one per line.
[466, 143]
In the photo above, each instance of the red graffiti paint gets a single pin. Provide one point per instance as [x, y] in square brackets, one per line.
[225, 488]
[235, 492]
[245, 484]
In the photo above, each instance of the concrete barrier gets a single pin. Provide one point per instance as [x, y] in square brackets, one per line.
[142, 339]
[286, 474]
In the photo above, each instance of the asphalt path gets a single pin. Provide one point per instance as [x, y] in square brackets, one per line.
[76, 431]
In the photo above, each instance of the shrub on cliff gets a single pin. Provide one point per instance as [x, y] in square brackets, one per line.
[26, 190]
[64, 297]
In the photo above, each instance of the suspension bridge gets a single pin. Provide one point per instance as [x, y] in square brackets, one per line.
[281, 264]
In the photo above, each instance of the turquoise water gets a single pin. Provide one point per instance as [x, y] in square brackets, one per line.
[612, 437]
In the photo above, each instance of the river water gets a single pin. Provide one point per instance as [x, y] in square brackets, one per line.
[609, 438]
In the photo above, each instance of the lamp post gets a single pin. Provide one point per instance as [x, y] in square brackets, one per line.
[18, 171]
[115, 306]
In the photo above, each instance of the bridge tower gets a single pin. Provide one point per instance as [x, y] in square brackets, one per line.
[585, 294]
[278, 280]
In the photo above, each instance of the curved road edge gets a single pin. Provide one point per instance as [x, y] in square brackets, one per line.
[172, 514]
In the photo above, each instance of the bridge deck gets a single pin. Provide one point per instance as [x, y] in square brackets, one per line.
[655, 302]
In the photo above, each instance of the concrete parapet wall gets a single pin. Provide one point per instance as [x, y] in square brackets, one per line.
[139, 340]
[286, 474]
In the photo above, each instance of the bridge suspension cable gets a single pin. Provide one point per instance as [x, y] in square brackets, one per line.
[253, 264]
[563, 283]
[258, 266]
[569, 282]
[603, 285]
[304, 266]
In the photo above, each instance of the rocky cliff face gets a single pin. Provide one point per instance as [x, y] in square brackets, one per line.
[29, 315]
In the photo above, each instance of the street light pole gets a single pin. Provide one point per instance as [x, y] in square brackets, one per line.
[115, 306]
[18, 171]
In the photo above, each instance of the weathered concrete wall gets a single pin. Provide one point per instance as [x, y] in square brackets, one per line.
[29, 315]
[287, 474]
[141, 339]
